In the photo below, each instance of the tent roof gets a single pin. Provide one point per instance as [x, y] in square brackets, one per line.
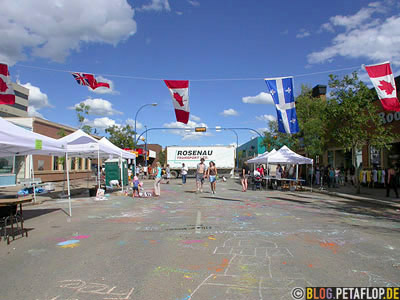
[125, 154]
[287, 156]
[15, 140]
[262, 158]
[81, 144]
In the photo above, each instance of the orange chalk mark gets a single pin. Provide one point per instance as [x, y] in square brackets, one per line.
[331, 246]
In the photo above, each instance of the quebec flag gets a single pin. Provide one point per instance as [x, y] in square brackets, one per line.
[281, 90]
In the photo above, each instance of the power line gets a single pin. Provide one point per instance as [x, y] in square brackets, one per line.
[194, 80]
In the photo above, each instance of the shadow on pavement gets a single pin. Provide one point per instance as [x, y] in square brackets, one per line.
[223, 199]
[33, 213]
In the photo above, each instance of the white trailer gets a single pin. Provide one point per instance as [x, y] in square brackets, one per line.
[222, 156]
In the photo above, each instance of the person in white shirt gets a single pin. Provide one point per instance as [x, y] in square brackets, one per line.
[184, 171]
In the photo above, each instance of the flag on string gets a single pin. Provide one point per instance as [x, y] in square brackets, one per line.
[89, 80]
[281, 90]
[7, 95]
[179, 90]
[382, 78]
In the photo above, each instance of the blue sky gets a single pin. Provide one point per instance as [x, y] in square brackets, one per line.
[187, 39]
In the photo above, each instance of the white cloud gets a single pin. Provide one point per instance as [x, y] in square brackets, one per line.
[195, 118]
[101, 123]
[99, 107]
[327, 27]
[261, 98]
[36, 100]
[179, 13]
[302, 33]
[52, 29]
[32, 112]
[156, 5]
[266, 118]
[131, 122]
[229, 112]
[187, 135]
[104, 90]
[194, 3]
[365, 36]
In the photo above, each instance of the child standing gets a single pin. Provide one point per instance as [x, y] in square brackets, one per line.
[136, 186]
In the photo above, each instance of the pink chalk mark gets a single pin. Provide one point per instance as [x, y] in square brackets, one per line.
[192, 241]
[81, 237]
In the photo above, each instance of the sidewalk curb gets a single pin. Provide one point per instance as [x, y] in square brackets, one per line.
[355, 197]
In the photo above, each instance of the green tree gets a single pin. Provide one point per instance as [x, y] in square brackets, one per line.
[82, 110]
[275, 139]
[353, 117]
[311, 115]
[122, 136]
[162, 157]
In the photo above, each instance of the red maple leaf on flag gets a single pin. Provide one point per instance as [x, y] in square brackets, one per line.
[386, 86]
[3, 86]
[178, 98]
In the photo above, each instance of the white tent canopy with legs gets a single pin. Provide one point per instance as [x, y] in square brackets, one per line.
[287, 156]
[80, 144]
[15, 140]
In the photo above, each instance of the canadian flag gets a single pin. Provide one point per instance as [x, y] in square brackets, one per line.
[179, 90]
[7, 95]
[382, 78]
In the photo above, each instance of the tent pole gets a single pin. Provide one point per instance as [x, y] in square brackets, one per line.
[33, 180]
[312, 173]
[98, 167]
[122, 176]
[68, 185]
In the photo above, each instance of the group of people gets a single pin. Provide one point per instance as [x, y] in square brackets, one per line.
[370, 177]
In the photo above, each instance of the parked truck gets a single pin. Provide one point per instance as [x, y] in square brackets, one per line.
[222, 156]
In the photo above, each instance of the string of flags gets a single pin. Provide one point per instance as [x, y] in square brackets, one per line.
[281, 90]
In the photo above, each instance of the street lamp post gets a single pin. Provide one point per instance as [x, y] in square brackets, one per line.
[145, 147]
[140, 108]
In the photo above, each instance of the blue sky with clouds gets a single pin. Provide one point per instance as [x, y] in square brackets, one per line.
[199, 40]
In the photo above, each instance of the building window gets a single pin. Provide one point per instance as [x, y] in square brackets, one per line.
[55, 163]
[375, 157]
[358, 158]
[40, 165]
[73, 163]
[330, 158]
[87, 164]
[80, 163]
[7, 165]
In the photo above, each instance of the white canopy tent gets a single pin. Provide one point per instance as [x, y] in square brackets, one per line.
[123, 155]
[15, 140]
[262, 158]
[287, 156]
[80, 144]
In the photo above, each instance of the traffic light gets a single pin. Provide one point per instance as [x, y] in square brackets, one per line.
[200, 129]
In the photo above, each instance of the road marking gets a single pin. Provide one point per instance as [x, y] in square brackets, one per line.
[198, 222]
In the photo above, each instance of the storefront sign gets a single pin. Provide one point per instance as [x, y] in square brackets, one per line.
[389, 117]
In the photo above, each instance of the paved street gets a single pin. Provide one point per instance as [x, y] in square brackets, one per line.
[182, 245]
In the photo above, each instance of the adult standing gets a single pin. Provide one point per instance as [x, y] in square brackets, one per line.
[145, 170]
[157, 182]
[200, 174]
[184, 171]
[391, 182]
[317, 175]
[212, 173]
[260, 170]
[244, 175]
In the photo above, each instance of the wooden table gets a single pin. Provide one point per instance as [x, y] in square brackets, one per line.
[12, 202]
